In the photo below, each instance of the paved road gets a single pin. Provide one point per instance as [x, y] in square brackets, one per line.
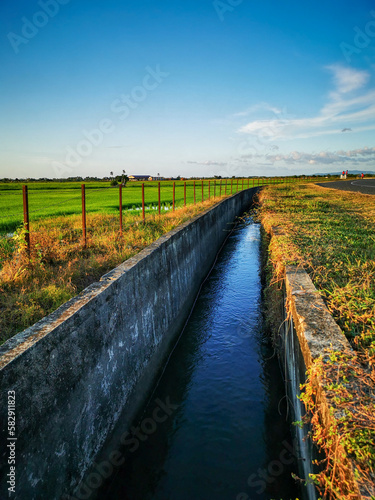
[364, 186]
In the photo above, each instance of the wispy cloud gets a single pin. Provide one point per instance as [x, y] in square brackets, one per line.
[355, 156]
[349, 106]
[347, 79]
[262, 106]
[208, 163]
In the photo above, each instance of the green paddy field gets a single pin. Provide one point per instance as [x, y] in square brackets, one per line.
[53, 199]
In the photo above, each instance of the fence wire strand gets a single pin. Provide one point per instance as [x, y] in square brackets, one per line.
[183, 195]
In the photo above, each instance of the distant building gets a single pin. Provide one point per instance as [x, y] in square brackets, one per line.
[140, 178]
[145, 178]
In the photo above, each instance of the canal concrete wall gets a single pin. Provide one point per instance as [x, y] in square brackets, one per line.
[74, 372]
[307, 330]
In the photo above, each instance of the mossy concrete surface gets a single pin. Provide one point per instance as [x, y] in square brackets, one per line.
[316, 328]
[307, 331]
[76, 371]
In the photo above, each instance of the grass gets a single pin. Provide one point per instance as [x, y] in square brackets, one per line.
[347, 436]
[59, 267]
[331, 235]
[54, 199]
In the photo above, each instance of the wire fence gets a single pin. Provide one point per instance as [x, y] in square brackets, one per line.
[151, 199]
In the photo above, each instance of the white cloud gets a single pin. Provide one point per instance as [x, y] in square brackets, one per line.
[355, 156]
[348, 79]
[208, 163]
[346, 108]
[257, 107]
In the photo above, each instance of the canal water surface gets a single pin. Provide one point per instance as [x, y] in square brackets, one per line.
[215, 426]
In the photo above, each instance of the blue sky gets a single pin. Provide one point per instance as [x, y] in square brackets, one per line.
[191, 88]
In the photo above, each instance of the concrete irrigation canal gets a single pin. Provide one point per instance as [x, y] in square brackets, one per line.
[215, 426]
[128, 392]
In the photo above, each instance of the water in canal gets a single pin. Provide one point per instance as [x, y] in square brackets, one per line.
[215, 427]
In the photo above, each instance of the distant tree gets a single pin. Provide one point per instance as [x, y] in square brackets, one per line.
[124, 178]
[113, 181]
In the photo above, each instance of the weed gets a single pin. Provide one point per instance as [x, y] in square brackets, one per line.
[58, 268]
[335, 245]
[331, 235]
[347, 435]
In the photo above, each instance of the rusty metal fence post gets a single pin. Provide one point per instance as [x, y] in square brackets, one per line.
[84, 228]
[174, 195]
[159, 200]
[26, 218]
[202, 193]
[194, 192]
[120, 205]
[185, 194]
[143, 203]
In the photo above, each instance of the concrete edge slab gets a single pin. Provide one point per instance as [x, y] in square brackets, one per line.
[95, 359]
[316, 331]
[315, 326]
[24, 340]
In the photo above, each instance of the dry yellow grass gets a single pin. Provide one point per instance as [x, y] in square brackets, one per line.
[59, 267]
[331, 235]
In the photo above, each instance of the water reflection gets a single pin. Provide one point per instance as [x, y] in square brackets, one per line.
[226, 439]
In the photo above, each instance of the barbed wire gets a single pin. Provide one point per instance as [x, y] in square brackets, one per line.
[55, 205]
[12, 215]
[165, 191]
